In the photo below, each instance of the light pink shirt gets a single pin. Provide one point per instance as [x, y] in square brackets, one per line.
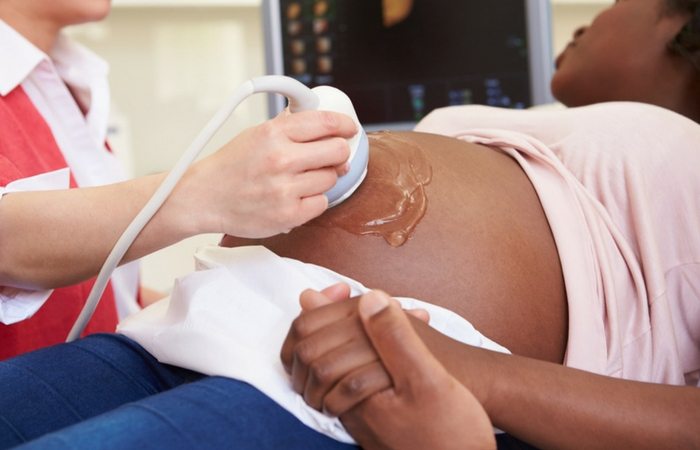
[80, 137]
[620, 185]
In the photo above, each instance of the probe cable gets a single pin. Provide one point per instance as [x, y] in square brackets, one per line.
[300, 98]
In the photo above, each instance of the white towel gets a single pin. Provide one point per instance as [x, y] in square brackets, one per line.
[231, 316]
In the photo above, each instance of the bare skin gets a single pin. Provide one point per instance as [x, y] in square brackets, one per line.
[40, 22]
[483, 249]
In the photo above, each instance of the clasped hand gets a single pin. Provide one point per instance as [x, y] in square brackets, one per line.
[360, 359]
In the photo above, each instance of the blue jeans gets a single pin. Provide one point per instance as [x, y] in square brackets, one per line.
[106, 392]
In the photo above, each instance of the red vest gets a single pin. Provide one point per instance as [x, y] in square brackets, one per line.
[27, 148]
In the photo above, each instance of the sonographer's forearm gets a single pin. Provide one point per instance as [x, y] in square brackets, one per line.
[56, 238]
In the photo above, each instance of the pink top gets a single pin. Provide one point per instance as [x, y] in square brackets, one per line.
[620, 185]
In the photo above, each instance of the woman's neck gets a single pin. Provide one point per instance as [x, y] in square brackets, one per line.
[690, 102]
[40, 32]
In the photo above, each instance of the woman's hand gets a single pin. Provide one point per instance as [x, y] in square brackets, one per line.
[336, 362]
[270, 178]
[328, 341]
[324, 343]
[425, 407]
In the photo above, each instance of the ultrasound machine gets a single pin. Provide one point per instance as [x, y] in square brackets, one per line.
[399, 59]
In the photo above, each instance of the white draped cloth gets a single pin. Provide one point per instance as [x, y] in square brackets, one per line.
[231, 316]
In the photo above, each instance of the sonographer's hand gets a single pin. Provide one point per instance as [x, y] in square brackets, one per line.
[271, 178]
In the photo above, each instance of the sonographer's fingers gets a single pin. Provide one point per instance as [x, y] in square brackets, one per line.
[313, 182]
[328, 152]
[308, 126]
[310, 208]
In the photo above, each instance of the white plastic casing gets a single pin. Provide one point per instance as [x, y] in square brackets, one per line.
[333, 99]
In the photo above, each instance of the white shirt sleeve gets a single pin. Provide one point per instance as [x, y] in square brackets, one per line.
[20, 304]
[58, 179]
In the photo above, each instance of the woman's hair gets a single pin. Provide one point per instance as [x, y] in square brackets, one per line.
[687, 41]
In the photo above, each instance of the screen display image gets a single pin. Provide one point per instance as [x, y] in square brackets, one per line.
[399, 59]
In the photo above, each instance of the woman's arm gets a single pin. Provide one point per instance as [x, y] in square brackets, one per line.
[267, 180]
[545, 404]
[552, 406]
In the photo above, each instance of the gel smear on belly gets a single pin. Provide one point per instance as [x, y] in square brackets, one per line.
[392, 199]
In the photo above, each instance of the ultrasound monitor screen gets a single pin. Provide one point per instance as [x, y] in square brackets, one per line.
[399, 59]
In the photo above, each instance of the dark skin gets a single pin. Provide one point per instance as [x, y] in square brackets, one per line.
[419, 390]
[623, 55]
